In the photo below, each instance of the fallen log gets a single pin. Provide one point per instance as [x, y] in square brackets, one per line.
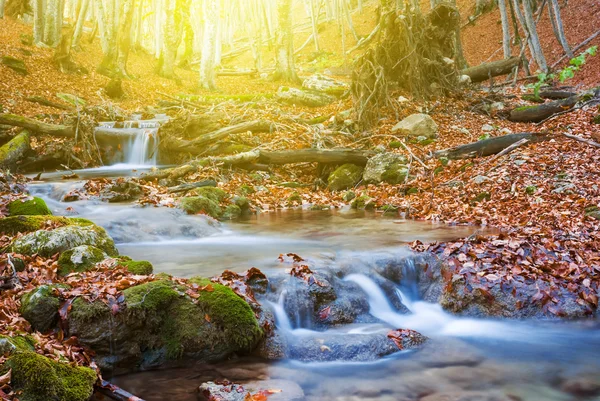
[538, 113]
[488, 147]
[197, 145]
[14, 150]
[299, 97]
[114, 392]
[49, 103]
[37, 126]
[193, 185]
[557, 94]
[484, 71]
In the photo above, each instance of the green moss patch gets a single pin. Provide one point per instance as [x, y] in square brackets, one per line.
[40, 307]
[30, 207]
[79, 259]
[41, 379]
[26, 224]
[138, 267]
[345, 177]
[201, 204]
[212, 193]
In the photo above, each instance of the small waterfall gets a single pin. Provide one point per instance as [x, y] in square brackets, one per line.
[281, 318]
[141, 149]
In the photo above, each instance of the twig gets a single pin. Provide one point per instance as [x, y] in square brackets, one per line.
[579, 46]
[413, 155]
[586, 141]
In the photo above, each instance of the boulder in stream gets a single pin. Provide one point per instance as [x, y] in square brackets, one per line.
[345, 177]
[25, 224]
[29, 207]
[40, 307]
[80, 259]
[158, 322]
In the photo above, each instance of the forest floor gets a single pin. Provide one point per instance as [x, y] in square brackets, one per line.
[541, 198]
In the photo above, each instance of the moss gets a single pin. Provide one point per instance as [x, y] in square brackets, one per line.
[138, 267]
[41, 379]
[212, 193]
[482, 196]
[389, 209]
[242, 202]
[230, 312]
[523, 108]
[395, 174]
[79, 259]
[10, 345]
[530, 190]
[232, 212]
[151, 296]
[30, 207]
[26, 224]
[412, 190]
[86, 311]
[395, 145]
[596, 119]
[348, 196]
[344, 177]
[295, 197]
[40, 307]
[78, 221]
[201, 204]
[247, 189]
[363, 202]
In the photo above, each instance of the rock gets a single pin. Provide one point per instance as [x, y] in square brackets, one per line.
[40, 307]
[417, 125]
[487, 128]
[284, 390]
[299, 97]
[363, 202]
[467, 396]
[448, 352]
[26, 224]
[584, 386]
[121, 191]
[386, 167]
[79, 259]
[505, 131]
[200, 204]
[138, 267]
[42, 379]
[480, 179]
[48, 243]
[348, 196]
[464, 80]
[321, 83]
[29, 207]
[232, 212]
[535, 392]
[342, 347]
[497, 106]
[14, 64]
[345, 177]
[158, 323]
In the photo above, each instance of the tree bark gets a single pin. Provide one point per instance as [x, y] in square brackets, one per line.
[484, 71]
[538, 54]
[2, 6]
[14, 150]
[38, 21]
[83, 11]
[285, 68]
[487, 147]
[559, 31]
[124, 36]
[209, 45]
[37, 126]
[539, 113]
[506, 45]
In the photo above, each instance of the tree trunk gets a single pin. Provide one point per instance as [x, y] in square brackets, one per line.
[14, 150]
[38, 21]
[506, 45]
[198, 145]
[285, 69]
[51, 21]
[538, 54]
[209, 45]
[37, 126]
[486, 70]
[124, 37]
[83, 11]
[559, 31]
[2, 6]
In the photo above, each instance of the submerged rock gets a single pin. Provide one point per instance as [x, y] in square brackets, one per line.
[158, 323]
[345, 177]
[278, 390]
[386, 167]
[121, 191]
[48, 243]
[29, 207]
[79, 259]
[417, 125]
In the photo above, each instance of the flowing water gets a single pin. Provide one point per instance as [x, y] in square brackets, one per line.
[478, 358]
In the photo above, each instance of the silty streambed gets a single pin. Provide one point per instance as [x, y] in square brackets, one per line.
[476, 359]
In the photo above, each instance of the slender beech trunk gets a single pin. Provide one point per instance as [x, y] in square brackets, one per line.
[2, 5]
[38, 21]
[124, 36]
[81, 17]
[506, 45]
[207, 63]
[284, 68]
[538, 54]
[557, 25]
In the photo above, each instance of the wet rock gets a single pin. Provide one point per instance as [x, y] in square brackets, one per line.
[158, 323]
[386, 167]
[40, 307]
[79, 259]
[231, 212]
[342, 347]
[585, 386]
[535, 392]
[467, 396]
[25, 224]
[279, 390]
[448, 352]
[48, 243]
[29, 207]
[138, 267]
[304, 300]
[200, 204]
[121, 191]
[417, 125]
[345, 177]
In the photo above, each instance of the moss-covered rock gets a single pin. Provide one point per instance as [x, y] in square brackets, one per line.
[242, 202]
[386, 167]
[26, 224]
[29, 207]
[345, 177]
[213, 193]
[363, 202]
[41, 379]
[79, 259]
[482, 196]
[232, 212]
[349, 196]
[40, 307]
[139, 267]
[295, 198]
[160, 322]
[201, 204]
[48, 243]
[11, 345]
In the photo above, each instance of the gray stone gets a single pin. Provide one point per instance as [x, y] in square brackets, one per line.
[417, 125]
[386, 167]
[487, 128]
[480, 179]
[279, 390]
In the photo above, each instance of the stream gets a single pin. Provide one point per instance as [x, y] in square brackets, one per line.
[476, 359]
